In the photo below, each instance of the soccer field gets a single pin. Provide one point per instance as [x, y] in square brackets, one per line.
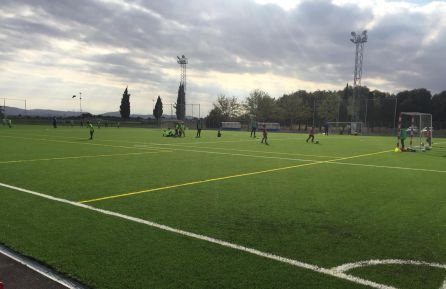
[133, 209]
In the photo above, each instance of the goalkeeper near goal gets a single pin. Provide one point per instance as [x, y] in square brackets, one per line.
[403, 136]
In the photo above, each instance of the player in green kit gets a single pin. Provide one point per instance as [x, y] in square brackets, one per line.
[253, 128]
[90, 126]
[403, 136]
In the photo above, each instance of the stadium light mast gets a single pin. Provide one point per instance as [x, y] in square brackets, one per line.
[358, 40]
[182, 61]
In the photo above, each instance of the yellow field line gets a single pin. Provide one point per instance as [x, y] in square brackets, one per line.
[224, 178]
[194, 183]
[77, 157]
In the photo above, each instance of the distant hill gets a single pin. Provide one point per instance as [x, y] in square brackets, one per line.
[14, 111]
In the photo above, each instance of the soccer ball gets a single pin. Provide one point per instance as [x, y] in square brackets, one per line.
[397, 150]
[316, 142]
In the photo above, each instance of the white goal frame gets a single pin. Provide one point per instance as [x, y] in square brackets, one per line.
[419, 130]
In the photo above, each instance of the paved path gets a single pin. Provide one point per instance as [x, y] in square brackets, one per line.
[17, 276]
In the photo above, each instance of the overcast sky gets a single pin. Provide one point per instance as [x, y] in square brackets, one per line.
[52, 49]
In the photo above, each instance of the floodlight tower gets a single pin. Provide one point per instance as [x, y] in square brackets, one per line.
[358, 40]
[182, 61]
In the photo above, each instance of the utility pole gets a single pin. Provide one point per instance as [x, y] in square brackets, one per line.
[80, 102]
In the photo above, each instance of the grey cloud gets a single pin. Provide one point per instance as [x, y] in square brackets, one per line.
[310, 42]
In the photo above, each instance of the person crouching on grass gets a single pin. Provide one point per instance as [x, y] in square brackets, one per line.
[90, 126]
[265, 135]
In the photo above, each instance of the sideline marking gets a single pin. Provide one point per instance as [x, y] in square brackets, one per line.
[296, 263]
[222, 178]
[79, 157]
[41, 269]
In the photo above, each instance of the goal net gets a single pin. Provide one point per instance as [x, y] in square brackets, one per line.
[417, 127]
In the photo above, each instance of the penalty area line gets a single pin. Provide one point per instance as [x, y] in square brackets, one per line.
[296, 263]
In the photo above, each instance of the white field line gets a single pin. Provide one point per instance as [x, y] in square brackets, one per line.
[350, 266]
[244, 155]
[78, 157]
[270, 157]
[384, 167]
[185, 143]
[91, 143]
[330, 272]
[143, 145]
[42, 270]
[251, 151]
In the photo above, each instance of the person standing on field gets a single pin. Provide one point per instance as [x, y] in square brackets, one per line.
[429, 136]
[253, 128]
[183, 129]
[90, 126]
[403, 136]
[326, 128]
[199, 127]
[265, 135]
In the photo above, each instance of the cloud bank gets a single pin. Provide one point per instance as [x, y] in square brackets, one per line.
[51, 50]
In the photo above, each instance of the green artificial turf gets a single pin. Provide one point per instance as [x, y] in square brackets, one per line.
[346, 199]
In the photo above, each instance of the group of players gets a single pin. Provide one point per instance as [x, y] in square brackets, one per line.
[180, 131]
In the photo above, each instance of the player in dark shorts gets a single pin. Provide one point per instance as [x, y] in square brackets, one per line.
[265, 135]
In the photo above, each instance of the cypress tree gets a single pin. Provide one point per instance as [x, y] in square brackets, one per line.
[158, 110]
[125, 105]
[181, 103]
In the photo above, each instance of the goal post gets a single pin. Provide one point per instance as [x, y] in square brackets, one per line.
[417, 127]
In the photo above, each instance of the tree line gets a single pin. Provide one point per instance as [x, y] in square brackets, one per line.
[301, 108]
[180, 105]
